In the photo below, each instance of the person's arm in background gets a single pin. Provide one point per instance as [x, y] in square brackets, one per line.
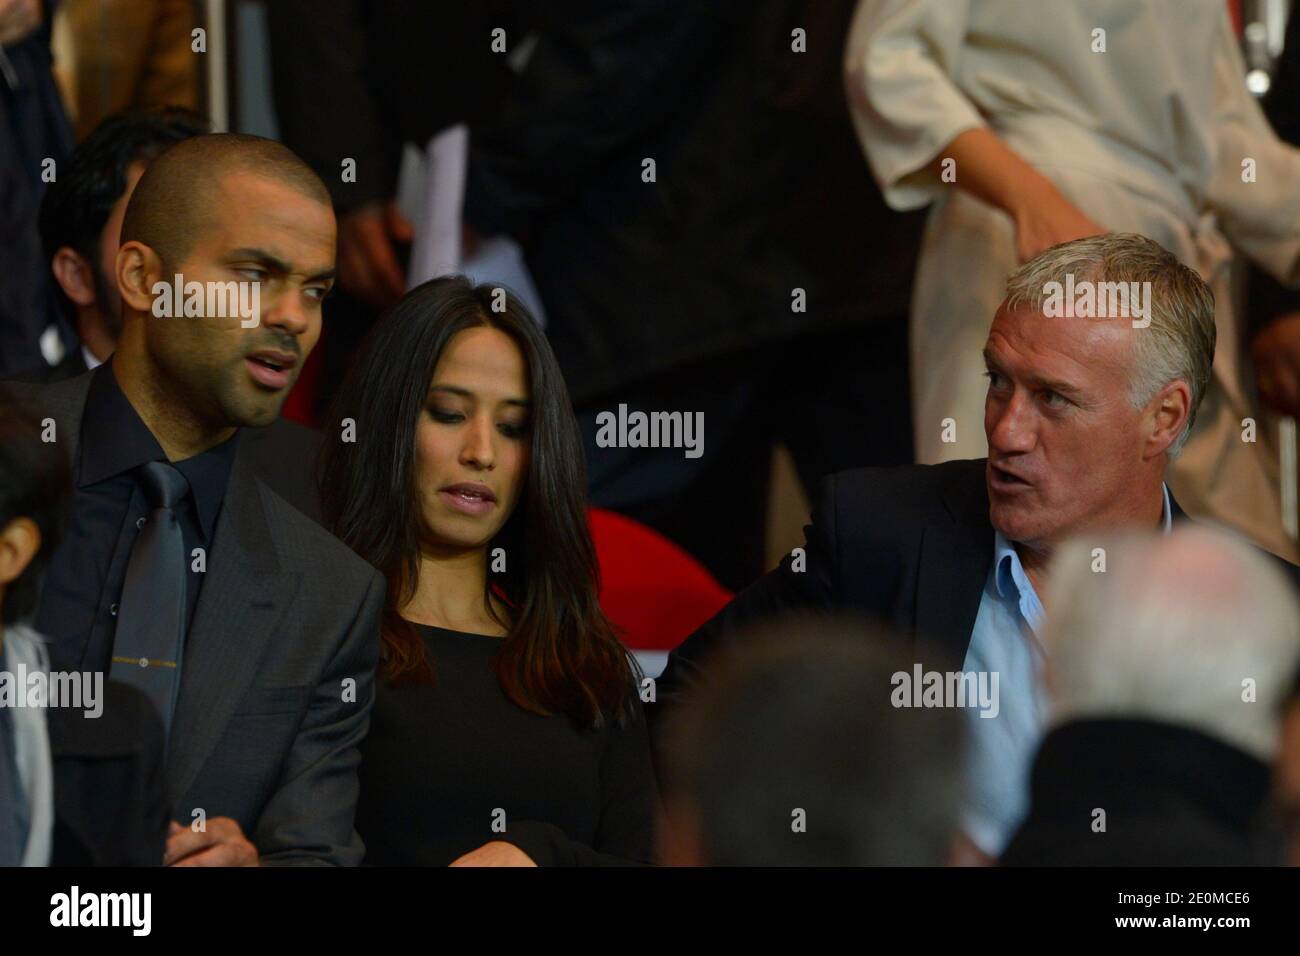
[910, 117]
[1259, 214]
[598, 77]
[328, 110]
[1274, 309]
[170, 71]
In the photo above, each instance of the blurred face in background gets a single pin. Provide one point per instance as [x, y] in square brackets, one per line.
[1064, 440]
[91, 283]
[472, 440]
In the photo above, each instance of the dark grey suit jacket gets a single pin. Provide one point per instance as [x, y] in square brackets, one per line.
[278, 671]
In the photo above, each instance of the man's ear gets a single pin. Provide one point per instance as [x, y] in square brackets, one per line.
[137, 269]
[20, 539]
[1169, 411]
[74, 275]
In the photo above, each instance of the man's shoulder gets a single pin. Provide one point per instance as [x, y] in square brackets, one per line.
[284, 434]
[310, 546]
[61, 397]
[284, 454]
[910, 491]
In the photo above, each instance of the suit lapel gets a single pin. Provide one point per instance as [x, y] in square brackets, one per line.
[956, 554]
[1176, 513]
[245, 590]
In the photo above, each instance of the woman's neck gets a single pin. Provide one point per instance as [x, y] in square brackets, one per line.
[452, 593]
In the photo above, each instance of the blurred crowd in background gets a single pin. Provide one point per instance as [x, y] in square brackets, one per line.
[742, 208]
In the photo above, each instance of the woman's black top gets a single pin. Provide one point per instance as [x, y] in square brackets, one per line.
[449, 767]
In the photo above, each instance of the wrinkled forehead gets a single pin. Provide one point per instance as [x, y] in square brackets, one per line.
[1023, 340]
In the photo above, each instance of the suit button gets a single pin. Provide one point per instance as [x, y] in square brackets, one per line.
[113, 610]
[139, 523]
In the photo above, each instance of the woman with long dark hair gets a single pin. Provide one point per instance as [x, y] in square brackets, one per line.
[506, 728]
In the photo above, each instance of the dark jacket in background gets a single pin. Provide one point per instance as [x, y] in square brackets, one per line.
[110, 808]
[33, 128]
[72, 365]
[761, 187]
[359, 78]
[1172, 796]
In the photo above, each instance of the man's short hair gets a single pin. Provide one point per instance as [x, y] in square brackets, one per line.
[77, 204]
[800, 718]
[34, 484]
[1179, 342]
[1197, 628]
[173, 202]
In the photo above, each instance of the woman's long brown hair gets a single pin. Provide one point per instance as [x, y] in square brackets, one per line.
[561, 655]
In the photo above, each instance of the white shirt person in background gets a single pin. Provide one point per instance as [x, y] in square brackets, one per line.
[1031, 125]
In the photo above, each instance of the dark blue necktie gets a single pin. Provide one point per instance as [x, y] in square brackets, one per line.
[151, 616]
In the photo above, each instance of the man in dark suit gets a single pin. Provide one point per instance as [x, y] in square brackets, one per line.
[252, 631]
[1082, 416]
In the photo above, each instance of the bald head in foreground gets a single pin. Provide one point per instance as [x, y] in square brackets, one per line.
[258, 631]
[1171, 658]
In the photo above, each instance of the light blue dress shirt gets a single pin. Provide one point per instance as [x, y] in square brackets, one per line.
[1006, 641]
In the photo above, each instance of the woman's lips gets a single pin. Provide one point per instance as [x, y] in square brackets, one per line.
[469, 499]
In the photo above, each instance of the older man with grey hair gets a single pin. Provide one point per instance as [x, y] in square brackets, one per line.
[1170, 660]
[1091, 392]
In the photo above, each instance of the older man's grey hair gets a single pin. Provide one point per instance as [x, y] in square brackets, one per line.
[1179, 342]
[1195, 628]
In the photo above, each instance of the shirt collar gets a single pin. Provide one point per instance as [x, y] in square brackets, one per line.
[113, 437]
[1006, 560]
[208, 474]
[115, 440]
